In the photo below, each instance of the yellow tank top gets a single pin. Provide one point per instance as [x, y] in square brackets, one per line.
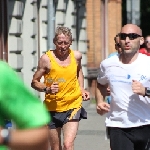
[69, 95]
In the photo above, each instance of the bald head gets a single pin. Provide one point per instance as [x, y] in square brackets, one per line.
[130, 39]
[131, 28]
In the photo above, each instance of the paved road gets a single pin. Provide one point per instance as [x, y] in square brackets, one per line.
[91, 134]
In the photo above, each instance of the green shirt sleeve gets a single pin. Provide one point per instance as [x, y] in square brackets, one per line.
[18, 103]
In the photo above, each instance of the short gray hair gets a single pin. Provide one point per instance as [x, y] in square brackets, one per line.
[63, 30]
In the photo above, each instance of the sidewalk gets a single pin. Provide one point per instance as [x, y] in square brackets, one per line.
[91, 134]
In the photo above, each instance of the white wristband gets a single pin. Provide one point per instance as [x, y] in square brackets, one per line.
[5, 134]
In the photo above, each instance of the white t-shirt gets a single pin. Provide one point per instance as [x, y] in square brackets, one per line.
[126, 109]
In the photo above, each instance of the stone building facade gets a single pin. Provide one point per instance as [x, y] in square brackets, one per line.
[27, 28]
[104, 20]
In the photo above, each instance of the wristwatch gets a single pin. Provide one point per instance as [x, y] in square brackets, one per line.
[44, 90]
[5, 134]
[147, 91]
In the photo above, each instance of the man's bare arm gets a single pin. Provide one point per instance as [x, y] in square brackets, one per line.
[101, 106]
[80, 76]
[28, 139]
[43, 67]
[100, 93]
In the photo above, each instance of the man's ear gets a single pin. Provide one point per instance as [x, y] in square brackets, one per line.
[141, 40]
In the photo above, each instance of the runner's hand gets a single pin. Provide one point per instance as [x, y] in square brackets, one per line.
[53, 89]
[85, 95]
[103, 108]
[138, 88]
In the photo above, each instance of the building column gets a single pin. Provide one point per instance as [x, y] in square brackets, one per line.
[3, 31]
[114, 23]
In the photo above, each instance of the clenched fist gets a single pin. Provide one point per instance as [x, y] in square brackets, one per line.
[103, 108]
[138, 88]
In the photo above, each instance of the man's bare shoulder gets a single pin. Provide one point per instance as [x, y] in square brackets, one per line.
[77, 54]
[44, 57]
[44, 61]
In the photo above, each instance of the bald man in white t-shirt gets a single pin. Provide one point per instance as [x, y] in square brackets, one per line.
[128, 76]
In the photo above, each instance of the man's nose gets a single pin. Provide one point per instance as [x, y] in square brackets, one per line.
[63, 45]
[127, 39]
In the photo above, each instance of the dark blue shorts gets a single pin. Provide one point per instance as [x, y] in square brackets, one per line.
[58, 119]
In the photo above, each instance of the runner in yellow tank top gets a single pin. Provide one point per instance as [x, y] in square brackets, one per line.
[69, 95]
[63, 87]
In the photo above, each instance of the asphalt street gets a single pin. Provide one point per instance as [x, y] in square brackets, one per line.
[91, 133]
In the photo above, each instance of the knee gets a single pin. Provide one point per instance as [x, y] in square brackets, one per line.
[68, 145]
